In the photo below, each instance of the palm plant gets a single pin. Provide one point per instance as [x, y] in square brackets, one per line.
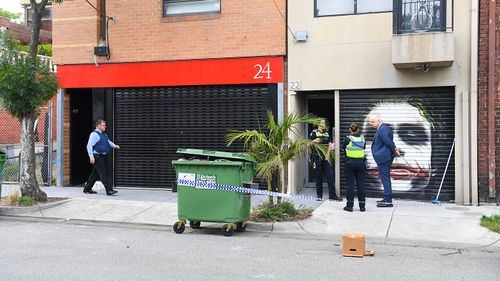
[273, 151]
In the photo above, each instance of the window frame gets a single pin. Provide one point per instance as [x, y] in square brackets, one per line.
[355, 3]
[165, 15]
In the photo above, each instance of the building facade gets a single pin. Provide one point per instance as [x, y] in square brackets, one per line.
[165, 75]
[169, 74]
[489, 101]
[414, 63]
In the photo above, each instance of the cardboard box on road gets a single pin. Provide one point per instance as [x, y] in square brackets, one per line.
[353, 244]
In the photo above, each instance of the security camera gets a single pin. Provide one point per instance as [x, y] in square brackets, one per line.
[423, 67]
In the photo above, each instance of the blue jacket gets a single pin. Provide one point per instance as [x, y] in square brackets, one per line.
[383, 146]
[97, 143]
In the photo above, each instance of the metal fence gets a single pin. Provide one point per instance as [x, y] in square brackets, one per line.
[10, 132]
[417, 16]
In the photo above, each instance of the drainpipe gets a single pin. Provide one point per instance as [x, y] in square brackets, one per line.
[60, 137]
[492, 57]
[102, 48]
[474, 100]
[103, 21]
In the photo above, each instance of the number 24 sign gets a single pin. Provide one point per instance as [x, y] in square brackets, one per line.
[262, 71]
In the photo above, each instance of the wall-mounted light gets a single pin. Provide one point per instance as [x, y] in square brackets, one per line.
[301, 36]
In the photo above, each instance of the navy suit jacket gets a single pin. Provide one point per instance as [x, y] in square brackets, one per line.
[383, 146]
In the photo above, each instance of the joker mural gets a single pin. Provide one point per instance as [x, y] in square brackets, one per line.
[423, 127]
[412, 134]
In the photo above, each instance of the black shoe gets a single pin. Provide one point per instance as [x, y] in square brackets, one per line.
[89, 191]
[336, 198]
[362, 209]
[111, 192]
[319, 198]
[385, 205]
[348, 209]
[380, 201]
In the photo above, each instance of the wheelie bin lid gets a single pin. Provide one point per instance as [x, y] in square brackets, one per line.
[217, 154]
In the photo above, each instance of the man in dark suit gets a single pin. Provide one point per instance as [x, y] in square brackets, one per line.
[383, 152]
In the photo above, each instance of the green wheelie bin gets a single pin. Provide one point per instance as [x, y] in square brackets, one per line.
[198, 172]
[3, 158]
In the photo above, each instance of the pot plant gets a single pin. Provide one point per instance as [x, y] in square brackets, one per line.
[279, 144]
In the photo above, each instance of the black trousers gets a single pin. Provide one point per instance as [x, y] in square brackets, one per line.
[321, 166]
[99, 171]
[355, 169]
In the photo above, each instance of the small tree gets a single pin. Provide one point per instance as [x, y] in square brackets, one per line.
[274, 150]
[11, 16]
[26, 84]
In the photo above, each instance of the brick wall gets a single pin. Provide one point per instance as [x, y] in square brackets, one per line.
[10, 128]
[47, 25]
[140, 33]
[484, 101]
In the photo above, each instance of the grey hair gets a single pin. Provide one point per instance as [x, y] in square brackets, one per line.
[99, 122]
[375, 117]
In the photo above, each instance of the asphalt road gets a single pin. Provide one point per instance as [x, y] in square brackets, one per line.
[62, 251]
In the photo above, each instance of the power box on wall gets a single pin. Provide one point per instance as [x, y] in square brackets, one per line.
[101, 51]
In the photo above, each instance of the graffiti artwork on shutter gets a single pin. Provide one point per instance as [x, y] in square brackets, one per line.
[422, 123]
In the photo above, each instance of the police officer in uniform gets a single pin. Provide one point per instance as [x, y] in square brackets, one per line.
[98, 148]
[321, 164]
[355, 168]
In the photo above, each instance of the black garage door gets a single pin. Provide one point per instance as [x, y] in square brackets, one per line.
[152, 123]
[423, 124]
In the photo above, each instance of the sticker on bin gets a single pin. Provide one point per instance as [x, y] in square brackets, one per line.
[186, 177]
[198, 180]
[204, 181]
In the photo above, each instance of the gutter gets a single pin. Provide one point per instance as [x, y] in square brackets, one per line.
[474, 47]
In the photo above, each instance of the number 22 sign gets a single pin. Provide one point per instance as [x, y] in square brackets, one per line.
[262, 72]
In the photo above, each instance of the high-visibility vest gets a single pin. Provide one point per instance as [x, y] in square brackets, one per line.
[324, 137]
[356, 147]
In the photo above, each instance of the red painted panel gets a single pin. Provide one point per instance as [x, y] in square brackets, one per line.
[174, 73]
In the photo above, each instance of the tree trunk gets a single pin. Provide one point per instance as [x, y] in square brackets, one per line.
[36, 24]
[279, 186]
[29, 183]
[270, 188]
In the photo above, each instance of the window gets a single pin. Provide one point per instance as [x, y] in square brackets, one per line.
[47, 14]
[187, 7]
[351, 7]
[373, 6]
[415, 16]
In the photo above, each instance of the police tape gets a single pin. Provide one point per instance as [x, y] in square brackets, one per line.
[208, 185]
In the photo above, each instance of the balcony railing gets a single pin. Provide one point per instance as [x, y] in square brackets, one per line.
[418, 16]
[44, 59]
[48, 62]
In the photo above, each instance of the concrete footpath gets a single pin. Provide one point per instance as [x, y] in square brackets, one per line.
[408, 223]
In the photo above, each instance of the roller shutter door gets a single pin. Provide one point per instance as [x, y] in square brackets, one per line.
[423, 125]
[152, 123]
